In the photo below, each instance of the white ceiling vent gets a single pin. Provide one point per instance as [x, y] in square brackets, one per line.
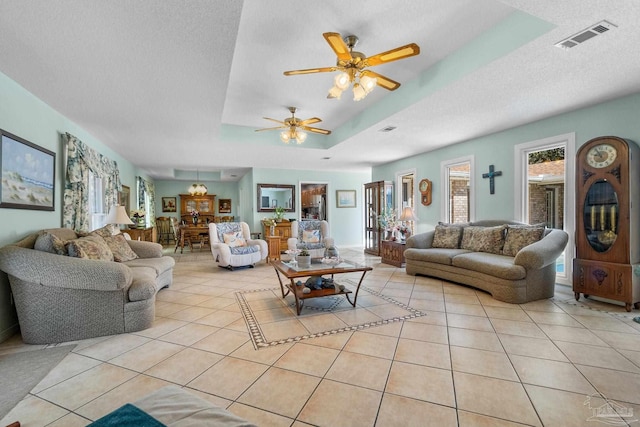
[387, 129]
[586, 34]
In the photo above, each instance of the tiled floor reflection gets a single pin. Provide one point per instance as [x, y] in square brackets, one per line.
[471, 361]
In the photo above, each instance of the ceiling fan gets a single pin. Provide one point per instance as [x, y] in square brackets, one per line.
[295, 127]
[353, 66]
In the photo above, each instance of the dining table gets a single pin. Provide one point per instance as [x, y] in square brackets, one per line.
[192, 233]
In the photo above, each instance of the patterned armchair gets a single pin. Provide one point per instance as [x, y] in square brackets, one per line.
[232, 246]
[313, 235]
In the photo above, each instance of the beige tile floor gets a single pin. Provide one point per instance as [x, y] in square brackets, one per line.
[471, 361]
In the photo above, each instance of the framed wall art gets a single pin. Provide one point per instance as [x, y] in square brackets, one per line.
[123, 199]
[169, 204]
[224, 206]
[28, 174]
[346, 198]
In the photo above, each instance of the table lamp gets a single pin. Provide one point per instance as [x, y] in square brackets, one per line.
[407, 215]
[118, 215]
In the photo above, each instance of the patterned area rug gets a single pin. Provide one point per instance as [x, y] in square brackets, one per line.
[614, 309]
[272, 320]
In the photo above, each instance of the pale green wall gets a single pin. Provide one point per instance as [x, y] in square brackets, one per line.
[26, 116]
[615, 118]
[346, 223]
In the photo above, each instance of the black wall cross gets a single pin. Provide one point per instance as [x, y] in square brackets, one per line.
[491, 175]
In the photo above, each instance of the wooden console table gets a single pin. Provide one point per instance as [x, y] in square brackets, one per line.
[392, 252]
[144, 234]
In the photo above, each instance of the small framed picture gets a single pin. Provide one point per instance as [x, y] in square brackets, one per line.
[346, 198]
[28, 174]
[169, 204]
[274, 203]
[224, 205]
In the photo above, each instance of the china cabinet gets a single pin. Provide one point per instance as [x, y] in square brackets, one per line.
[378, 196]
[608, 221]
[203, 204]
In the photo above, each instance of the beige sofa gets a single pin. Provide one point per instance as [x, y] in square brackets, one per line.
[510, 274]
[62, 298]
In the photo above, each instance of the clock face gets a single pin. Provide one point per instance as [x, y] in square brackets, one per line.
[601, 156]
[423, 186]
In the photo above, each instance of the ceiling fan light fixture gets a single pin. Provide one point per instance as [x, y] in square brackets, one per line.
[300, 136]
[334, 93]
[359, 93]
[285, 136]
[342, 81]
[368, 83]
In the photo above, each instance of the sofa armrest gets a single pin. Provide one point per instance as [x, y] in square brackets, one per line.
[62, 271]
[542, 252]
[420, 241]
[146, 249]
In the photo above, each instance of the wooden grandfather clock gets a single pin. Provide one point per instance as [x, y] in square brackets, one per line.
[607, 262]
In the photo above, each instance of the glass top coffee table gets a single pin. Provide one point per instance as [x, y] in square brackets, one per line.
[294, 271]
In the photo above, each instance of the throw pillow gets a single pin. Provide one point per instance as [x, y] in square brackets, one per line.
[519, 236]
[235, 239]
[311, 236]
[483, 239]
[51, 243]
[447, 236]
[120, 248]
[105, 231]
[90, 247]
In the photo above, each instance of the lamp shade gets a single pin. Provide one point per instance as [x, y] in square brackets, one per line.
[408, 215]
[118, 215]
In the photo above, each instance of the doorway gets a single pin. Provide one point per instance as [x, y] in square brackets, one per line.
[546, 191]
[313, 201]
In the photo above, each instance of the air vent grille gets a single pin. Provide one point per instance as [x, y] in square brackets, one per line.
[388, 129]
[586, 34]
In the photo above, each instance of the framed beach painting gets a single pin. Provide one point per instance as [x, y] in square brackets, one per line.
[346, 198]
[28, 174]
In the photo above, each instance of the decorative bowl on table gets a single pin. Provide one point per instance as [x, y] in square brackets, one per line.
[331, 261]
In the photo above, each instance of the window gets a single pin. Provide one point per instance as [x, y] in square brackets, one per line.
[97, 203]
[457, 193]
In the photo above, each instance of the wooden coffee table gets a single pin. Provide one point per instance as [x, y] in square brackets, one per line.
[317, 268]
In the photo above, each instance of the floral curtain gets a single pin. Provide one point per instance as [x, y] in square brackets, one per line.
[148, 189]
[81, 161]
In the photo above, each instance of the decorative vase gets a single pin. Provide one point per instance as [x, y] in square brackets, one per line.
[331, 252]
[304, 261]
[141, 223]
[195, 220]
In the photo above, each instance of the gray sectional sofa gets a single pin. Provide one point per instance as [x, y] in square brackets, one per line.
[63, 298]
[510, 270]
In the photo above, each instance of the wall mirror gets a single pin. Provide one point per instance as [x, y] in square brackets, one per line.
[271, 196]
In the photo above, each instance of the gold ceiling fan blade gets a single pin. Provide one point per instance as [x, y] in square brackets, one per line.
[338, 45]
[382, 81]
[278, 127]
[310, 70]
[401, 52]
[274, 120]
[316, 130]
[310, 121]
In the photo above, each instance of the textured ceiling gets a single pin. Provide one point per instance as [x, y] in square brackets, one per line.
[154, 79]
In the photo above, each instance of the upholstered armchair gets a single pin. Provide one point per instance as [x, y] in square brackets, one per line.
[312, 235]
[232, 246]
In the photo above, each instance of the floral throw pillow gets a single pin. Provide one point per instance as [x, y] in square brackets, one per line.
[447, 236]
[519, 236]
[121, 250]
[51, 243]
[90, 247]
[483, 239]
[235, 239]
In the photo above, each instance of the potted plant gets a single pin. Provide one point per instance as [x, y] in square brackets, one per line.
[304, 258]
[279, 213]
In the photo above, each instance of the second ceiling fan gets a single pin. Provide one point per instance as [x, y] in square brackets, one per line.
[295, 127]
[353, 66]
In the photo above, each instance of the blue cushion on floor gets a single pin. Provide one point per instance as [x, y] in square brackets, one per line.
[127, 416]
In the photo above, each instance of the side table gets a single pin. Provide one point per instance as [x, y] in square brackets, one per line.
[392, 252]
[274, 248]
